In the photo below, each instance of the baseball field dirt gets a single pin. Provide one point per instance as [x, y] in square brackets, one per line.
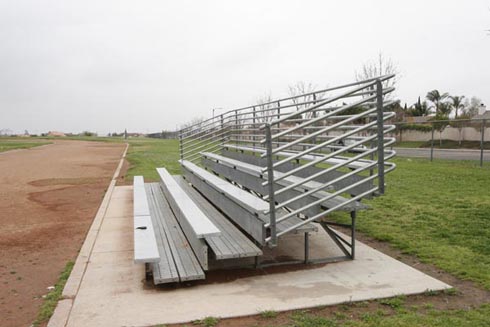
[48, 198]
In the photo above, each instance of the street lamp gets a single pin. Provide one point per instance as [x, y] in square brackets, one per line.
[214, 109]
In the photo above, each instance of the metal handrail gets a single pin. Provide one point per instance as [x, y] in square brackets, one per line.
[381, 78]
[308, 132]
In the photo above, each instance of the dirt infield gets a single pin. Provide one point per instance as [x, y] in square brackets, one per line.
[48, 198]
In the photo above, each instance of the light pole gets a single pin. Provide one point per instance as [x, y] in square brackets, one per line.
[214, 109]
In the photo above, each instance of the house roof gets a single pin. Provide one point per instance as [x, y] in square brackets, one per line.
[485, 115]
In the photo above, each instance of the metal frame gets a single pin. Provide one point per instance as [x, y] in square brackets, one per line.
[341, 126]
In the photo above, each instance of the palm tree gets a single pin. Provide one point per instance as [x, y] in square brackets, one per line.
[420, 108]
[457, 103]
[436, 98]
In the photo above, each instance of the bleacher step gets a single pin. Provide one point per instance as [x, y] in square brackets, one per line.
[255, 171]
[245, 209]
[179, 262]
[231, 243]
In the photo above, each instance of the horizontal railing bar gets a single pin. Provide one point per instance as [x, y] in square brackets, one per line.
[322, 159]
[292, 105]
[204, 130]
[331, 117]
[333, 127]
[327, 129]
[279, 111]
[295, 136]
[323, 172]
[323, 186]
[321, 145]
[203, 146]
[325, 116]
[262, 150]
[333, 99]
[203, 138]
[330, 196]
[366, 83]
[381, 78]
[310, 145]
[198, 154]
[322, 103]
[203, 125]
[324, 213]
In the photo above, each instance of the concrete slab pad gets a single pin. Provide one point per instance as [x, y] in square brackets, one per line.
[113, 291]
[119, 208]
[121, 192]
[114, 235]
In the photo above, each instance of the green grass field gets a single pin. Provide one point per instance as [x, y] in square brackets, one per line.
[7, 144]
[144, 155]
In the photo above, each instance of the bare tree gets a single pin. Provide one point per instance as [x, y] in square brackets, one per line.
[379, 67]
[266, 109]
[305, 96]
[195, 123]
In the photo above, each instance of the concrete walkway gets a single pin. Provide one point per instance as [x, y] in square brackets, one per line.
[111, 290]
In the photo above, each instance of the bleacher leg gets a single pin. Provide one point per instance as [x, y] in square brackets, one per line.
[307, 247]
[353, 234]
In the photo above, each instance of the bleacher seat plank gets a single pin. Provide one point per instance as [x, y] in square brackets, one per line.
[145, 244]
[165, 270]
[140, 205]
[198, 222]
[188, 267]
[231, 243]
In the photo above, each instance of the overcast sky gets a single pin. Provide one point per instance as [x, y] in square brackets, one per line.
[150, 65]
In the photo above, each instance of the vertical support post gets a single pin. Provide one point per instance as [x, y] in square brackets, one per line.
[482, 141]
[270, 182]
[180, 147]
[380, 125]
[254, 127]
[313, 116]
[307, 247]
[432, 144]
[353, 215]
[222, 121]
[236, 127]
[278, 116]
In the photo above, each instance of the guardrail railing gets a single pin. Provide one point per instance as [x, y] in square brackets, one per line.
[342, 128]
